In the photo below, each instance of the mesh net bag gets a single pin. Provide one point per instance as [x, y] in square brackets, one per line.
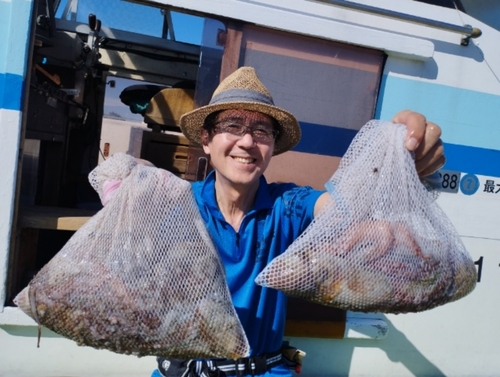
[140, 277]
[381, 243]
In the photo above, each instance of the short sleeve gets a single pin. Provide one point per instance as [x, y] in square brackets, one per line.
[298, 208]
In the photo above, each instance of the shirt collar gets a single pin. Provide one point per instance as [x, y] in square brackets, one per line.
[263, 198]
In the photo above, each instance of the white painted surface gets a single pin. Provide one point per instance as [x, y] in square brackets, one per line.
[10, 133]
[13, 53]
[478, 70]
[322, 20]
[56, 356]
[474, 216]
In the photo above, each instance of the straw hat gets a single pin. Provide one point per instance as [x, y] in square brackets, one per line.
[243, 90]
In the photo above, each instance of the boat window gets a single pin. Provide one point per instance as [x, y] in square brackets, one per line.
[135, 18]
[330, 87]
[453, 4]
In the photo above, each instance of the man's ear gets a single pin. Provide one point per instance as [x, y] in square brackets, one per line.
[204, 136]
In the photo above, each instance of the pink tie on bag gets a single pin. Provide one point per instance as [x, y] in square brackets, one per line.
[108, 190]
[109, 186]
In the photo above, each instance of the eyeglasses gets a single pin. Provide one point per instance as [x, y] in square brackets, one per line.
[260, 134]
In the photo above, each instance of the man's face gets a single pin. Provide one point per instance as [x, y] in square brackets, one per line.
[240, 159]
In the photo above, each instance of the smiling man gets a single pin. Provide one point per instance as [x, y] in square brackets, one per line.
[251, 221]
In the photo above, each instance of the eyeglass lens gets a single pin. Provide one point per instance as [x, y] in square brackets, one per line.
[259, 133]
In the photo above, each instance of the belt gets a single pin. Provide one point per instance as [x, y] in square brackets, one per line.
[252, 366]
[249, 365]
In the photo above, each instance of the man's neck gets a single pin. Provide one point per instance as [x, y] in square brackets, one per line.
[235, 202]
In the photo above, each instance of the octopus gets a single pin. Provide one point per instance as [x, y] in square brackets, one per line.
[371, 266]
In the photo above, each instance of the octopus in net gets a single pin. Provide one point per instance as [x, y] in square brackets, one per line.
[372, 266]
[386, 269]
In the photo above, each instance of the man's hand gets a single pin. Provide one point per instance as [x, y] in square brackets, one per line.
[423, 138]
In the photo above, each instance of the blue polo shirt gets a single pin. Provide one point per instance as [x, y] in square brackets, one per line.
[280, 214]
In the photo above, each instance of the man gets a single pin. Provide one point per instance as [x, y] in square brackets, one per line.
[250, 221]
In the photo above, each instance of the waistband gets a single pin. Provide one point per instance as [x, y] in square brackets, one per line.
[252, 366]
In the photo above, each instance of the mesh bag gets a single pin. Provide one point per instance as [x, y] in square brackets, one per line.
[381, 243]
[140, 277]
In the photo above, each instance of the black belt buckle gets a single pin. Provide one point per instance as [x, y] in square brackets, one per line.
[260, 364]
[172, 367]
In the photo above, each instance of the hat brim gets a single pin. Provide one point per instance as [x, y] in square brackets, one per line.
[289, 129]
